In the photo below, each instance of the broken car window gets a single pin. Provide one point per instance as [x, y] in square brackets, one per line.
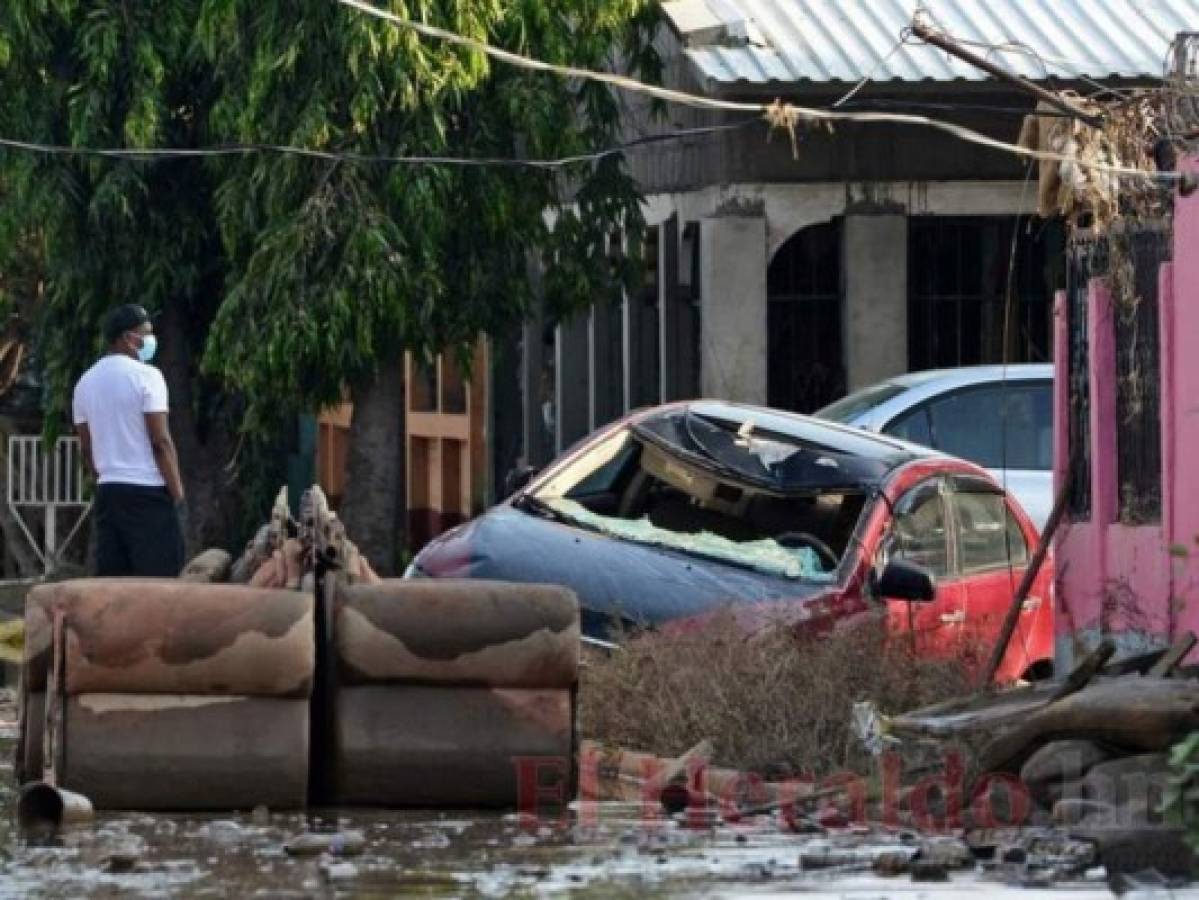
[638, 490]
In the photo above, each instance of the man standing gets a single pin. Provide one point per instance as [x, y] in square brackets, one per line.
[121, 416]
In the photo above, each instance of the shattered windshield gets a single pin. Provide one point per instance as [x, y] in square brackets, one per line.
[635, 489]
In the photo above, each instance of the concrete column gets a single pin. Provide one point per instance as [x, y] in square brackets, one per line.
[572, 391]
[733, 308]
[875, 266]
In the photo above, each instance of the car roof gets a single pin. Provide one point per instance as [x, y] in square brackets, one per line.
[833, 436]
[967, 375]
[875, 405]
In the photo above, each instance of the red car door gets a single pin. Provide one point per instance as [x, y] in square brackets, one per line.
[993, 546]
[921, 532]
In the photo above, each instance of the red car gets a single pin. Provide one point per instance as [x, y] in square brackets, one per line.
[681, 511]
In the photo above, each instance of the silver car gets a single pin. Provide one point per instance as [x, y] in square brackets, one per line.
[1000, 417]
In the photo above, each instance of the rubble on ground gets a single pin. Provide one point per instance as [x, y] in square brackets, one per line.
[1077, 770]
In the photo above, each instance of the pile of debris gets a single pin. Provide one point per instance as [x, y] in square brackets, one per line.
[1082, 184]
[286, 553]
[1046, 783]
[1085, 759]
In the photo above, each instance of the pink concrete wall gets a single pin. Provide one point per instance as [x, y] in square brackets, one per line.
[1138, 584]
[1182, 427]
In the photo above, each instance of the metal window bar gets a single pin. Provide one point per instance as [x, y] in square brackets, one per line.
[805, 364]
[46, 482]
[1138, 375]
[958, 276]
[1086, 258]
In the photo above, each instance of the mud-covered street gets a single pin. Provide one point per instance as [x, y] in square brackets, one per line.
[617, 853]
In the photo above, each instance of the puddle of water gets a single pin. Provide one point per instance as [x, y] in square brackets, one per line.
[612, 853]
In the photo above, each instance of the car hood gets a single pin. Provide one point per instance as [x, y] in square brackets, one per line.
[613, 579]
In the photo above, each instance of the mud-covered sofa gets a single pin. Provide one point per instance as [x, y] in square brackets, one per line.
[160, 694]
[168, 694]
[447, 693]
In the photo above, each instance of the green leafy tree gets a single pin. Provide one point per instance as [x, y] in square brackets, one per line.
[282, 279]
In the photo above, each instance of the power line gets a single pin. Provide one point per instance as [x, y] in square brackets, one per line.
[161, 154]
[882, 103]
[777, 114]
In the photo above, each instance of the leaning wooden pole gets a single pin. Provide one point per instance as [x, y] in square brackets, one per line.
[953, 48]
[1030, 576]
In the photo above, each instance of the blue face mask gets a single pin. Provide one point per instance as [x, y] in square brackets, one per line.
[148, 348]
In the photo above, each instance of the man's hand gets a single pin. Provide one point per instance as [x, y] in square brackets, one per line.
[164, 452]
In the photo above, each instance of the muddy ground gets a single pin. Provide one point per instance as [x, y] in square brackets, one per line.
[608, 851]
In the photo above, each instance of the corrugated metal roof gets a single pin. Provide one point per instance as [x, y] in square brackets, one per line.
[764, 41]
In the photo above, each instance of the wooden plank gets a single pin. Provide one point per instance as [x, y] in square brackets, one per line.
[1165, 666]
[438, 425]
[1086, 670]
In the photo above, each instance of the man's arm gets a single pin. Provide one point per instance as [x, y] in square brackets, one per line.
[85, 442]
[164, 453]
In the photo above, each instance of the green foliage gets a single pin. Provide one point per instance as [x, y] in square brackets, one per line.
[104, 74]
[1181, 799]
[297, 275]
[336, 260]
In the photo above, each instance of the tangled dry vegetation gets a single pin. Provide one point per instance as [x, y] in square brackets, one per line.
[774, 704]
[1081, 186]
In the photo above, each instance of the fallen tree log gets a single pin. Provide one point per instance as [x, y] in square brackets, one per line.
[1134, 714]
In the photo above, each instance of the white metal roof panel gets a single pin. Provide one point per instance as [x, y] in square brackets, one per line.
[767, 41]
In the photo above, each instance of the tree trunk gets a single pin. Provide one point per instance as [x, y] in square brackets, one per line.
[205, 445]
[374, 508]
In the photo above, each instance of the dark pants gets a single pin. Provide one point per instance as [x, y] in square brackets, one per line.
[137, 532]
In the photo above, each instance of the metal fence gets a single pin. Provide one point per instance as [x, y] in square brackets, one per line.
[1141, 253]
[1129, 260]
[46, 483]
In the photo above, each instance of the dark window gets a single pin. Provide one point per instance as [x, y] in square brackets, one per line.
[919, 533]
[912, 426]
[988, 537]
[958, 280]
[805, 368]
[1001, 426]
[1138, 373]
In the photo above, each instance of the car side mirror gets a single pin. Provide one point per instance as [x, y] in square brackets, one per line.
[905, 580]
[518, 478]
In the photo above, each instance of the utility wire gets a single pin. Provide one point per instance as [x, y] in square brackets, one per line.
[777, 114]
[957, 107]
[883, 60]
[158, 154]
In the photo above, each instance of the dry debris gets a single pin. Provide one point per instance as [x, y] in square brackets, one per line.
[1075, 187]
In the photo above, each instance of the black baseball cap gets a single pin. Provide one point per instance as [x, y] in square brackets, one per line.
[124, 318]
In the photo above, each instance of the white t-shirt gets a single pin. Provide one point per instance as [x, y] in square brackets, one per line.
[112, 399]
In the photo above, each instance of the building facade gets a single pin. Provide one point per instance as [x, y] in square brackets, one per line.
[788, 269]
